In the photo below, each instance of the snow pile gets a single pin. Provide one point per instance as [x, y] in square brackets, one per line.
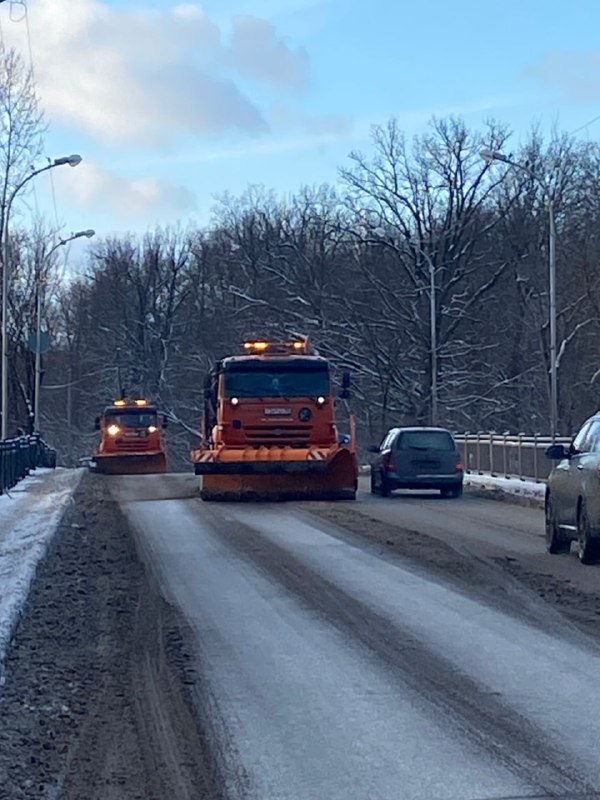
[29, 516]
[515, 487]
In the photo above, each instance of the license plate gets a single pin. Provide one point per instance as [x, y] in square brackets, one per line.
[278, 412]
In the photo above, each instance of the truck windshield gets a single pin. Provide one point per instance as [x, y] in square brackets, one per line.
[132, 419]
[277, 382]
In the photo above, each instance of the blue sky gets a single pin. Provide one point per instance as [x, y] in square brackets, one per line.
[171, 104]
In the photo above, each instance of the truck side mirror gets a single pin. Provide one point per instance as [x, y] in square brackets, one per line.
[165, 421]
[97, 423]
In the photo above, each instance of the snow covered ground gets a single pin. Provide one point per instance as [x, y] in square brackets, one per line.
[528, 489]
[29, 516]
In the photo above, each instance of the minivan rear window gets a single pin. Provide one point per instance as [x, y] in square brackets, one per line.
[425, 440]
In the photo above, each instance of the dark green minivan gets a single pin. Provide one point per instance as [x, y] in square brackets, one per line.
[417, 458]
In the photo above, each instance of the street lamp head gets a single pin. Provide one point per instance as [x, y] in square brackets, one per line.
[88, 233]
[72, 160]
[493, 155]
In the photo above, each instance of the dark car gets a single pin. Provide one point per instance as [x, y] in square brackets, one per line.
[417, 458]
[573, 494]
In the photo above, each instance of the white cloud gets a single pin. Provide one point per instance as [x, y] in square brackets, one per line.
[146, 83]
[258, 51]
[148, 77]
[131, 198]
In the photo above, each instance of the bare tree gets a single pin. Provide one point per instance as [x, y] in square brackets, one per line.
[21, 130]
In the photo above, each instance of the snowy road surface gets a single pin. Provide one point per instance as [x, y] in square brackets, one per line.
[326, 670]
[29, 514]
[506, 525]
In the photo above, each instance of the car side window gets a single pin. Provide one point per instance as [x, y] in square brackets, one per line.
[592, 441]
[580, 442]
[387, 441]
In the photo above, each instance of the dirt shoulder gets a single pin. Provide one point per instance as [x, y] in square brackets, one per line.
[95, 701]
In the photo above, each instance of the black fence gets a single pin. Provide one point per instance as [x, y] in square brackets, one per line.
[19, 456]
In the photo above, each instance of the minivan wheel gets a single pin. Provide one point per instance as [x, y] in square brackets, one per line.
[556, 542]
[588, 546]
[454, 491]
[374, 487]
[385, 487]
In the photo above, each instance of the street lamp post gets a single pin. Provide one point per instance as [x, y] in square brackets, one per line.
[432, 335]
[72, 161]
[432, 329]
[38, 336]
[494, 155]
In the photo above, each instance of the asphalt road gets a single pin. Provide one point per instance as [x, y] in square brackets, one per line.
[331, 667]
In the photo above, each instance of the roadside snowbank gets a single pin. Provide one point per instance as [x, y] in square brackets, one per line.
[29, 516]
[510, 489]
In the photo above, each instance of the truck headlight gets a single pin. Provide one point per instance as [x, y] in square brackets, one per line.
[113, 430]
[152, 428]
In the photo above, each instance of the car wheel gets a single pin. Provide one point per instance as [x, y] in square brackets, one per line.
[588, 546]
[374, 487]
[385, 488]
[556, 541]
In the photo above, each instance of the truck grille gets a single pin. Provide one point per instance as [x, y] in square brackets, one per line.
[133, 445]
[278, 435]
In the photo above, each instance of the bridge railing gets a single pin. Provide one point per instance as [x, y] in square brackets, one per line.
[21, 455]
[507, 455]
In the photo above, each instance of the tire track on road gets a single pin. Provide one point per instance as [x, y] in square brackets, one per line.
[510, 738]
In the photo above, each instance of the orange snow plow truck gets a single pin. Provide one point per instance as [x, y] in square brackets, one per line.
[132, 441]
[269, 431]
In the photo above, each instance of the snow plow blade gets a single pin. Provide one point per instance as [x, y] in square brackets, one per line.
[134, 464]
[273, 474]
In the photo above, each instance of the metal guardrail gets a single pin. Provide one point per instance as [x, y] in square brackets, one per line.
[507, 455]
[19, 456]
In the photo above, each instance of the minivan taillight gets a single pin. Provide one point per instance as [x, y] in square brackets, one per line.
[388, 460]
[459, 467]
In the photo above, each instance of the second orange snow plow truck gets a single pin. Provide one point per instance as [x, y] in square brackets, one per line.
[269, 429]
[132, 441]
